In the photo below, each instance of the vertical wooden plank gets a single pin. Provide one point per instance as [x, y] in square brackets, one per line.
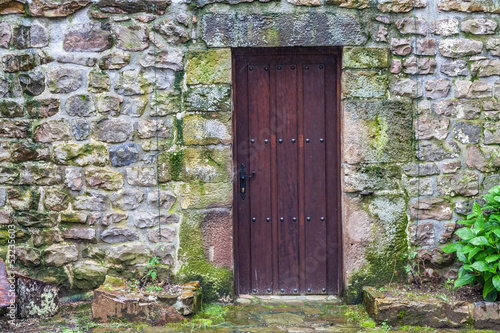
[315, 185]
[259, 186]
[287, 160]
[240, 150]
[332, 141]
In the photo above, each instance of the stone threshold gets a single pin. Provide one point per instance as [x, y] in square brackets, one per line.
[432, 311]
[288, 299]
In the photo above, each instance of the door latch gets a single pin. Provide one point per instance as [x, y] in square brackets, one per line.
[243, 181]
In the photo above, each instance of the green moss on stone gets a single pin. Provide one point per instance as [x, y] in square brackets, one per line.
[180, 134]
[366, 57]
[216, 282]
[386, 253]
[208, 67]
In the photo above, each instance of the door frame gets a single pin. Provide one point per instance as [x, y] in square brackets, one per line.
[333, 51]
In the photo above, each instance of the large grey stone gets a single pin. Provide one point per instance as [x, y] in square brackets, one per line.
[485, 159]
[104, 178]
[364, 84]
[459, 47]
[42, 108]
[32, 83]
[134, 6]
[467, 133]
[465, 184]
[93, 201]
[64, 80]
[88, 37]
[407, 25]
[113, 130]
[5, 35]
[80, 106]
[52, 130]
[431, 128]
[401, 46]
[148, 220]
[167, 59]
[445, 27]
[377, 131]
[431, 209]
[473, 89]
[212, 98]
[141, 176]
[132, 82]
[491, 133]
[243, 29]
[173, 33]
[58, 255]
[493, 45]
[28, 36]
[123, 154]
[127, 199]
[60, 8]
[407, 88]
[109, 105]
[437, 88]
[424, 65]
[454, 67]
[118, 235]
[458, 109]
[115, 60]
[167, 199]
[437, 151]
[479, 26]
[132, 38]
[81, 129]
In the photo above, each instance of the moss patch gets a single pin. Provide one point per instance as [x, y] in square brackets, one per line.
[216, 282]
[208, 67]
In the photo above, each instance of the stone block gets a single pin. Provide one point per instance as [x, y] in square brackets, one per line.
[189, 301]
[133, 6]
[127, 199]
[113, 130]
[454, 67]
[10, 109]
[88, 37]
[13, 128]
[147, 129]
[118, 235]
[92, 201]
[141, 176]
[77, 60]
[217, 235]
[465, 184]
[445, 27]
[473, 89]
[33, 82]
[85, 234]
[111, 305]
[172, 33]
[99, 81]
[467, 133]
[459, 47]
[49, 8]
[369, 125]
[206, 129]
[423, 235]
[60, 254]
[5, 35]
[35, 219]
[30, 36]
[115, 60]
[26, 151]
[166, 59]
[132, 38]
[364, 84]
[19, 62]
[64, 80]
[458, 109]
[485, 67]
[401, 46]
[167, 199]
[426, 47]
[437, 151]
[451, 167]
[161, 235]
[370, 178]
[81, 129]
[431, 209]
[128, 253]
[493, 45]
[73, 217]
[491, 133]
[400, 6]
[479, 26]
[421, 169]
[149, 220]
[123, 154]
[407, 25]
[80, 154]
[88, 274]
[279, 29]
[424, 65]
[485, 159]
[407, 88]
[56, 199]
[396, 66]
[132, 82]
[109, 105]
[486, 315]
[366, 57]
[23, 199]
[104, 178]
[42, 108]
[208, 67]
[114, 218]
[437, 88]
[419, 186]
[80, 106]
[52, 130]
[202, 196]
[208, 98]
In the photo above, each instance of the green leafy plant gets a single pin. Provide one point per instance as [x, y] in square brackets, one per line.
[479, 246]
[152, 272]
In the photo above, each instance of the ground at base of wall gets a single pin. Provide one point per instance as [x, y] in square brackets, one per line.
[439, 309]
[257, 316]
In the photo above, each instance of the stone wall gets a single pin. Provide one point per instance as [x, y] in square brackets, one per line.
[78, 128]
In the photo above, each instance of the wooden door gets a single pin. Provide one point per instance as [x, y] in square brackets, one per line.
[287, 171]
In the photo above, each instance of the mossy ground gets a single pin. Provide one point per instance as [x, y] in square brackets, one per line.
[256, 316]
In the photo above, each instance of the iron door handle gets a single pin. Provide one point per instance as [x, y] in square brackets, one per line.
[243, 181]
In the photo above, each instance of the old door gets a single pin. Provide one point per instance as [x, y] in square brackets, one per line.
[287, 157]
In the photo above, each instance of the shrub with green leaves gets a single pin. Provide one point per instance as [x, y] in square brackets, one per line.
[479, 247]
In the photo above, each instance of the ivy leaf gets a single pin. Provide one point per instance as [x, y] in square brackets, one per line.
[496, 282]
[480, 266]
[465, 233]
[452, 247]
[481, 240]
[463, 280]
[492, 258]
